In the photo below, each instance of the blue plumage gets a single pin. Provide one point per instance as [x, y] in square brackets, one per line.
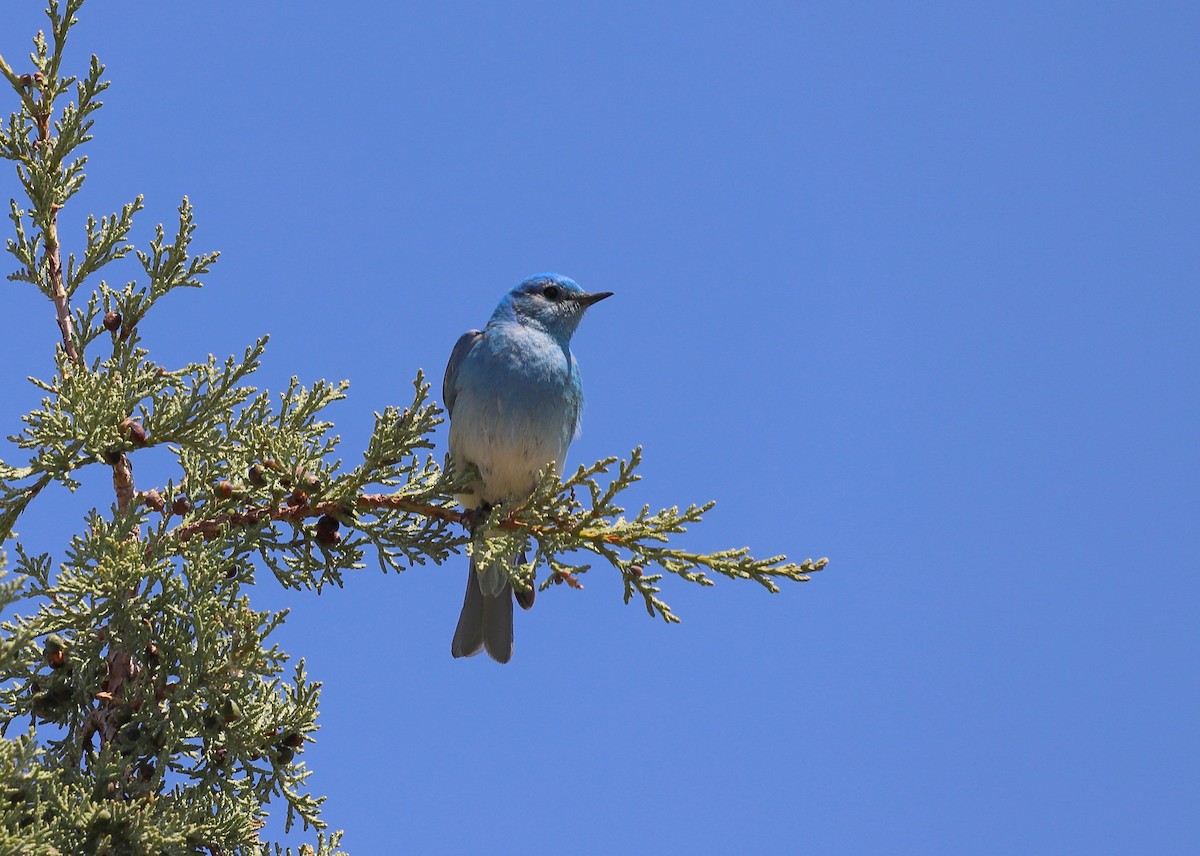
[514, 397]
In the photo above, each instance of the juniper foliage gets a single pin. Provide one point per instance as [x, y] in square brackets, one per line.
[143, 706]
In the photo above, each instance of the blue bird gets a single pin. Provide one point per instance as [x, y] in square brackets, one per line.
[514, 398]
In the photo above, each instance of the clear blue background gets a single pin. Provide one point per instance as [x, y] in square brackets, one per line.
[913, 286]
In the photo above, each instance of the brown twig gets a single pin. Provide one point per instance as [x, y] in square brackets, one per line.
[122, 670]
[295, 513]
[211, 526]
[41, 113]
[123, 482]
[374, 501]
[564, 576]
[58, 291]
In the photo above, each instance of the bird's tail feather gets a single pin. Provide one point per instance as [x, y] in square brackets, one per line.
[494, 578]
[486, 620]
[498, 625]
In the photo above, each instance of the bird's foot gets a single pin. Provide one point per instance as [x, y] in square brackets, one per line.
[472, 517]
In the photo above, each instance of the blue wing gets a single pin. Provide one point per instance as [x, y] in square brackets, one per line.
[450, 382]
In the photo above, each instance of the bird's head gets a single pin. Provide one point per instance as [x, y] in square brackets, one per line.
[552, 301]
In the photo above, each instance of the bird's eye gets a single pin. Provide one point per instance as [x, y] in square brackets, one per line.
[551, 292]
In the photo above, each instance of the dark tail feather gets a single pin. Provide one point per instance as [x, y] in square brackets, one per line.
[525, 598]
[486, 621]
[468, 635]
[498, 625]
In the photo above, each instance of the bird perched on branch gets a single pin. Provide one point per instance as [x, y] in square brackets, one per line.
[514, 398]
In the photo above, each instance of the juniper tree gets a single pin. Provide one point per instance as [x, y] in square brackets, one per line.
[143, 707]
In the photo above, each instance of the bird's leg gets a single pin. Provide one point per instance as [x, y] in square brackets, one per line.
[472, 517]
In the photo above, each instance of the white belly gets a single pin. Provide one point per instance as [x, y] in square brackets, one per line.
[509, 447]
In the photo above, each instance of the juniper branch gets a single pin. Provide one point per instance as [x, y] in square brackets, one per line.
[558, 523]
[21, 84]
[144, 642]
[47, 181]
[174, 722]
[553, 518]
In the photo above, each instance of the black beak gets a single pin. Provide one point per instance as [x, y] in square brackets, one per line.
[588, 299]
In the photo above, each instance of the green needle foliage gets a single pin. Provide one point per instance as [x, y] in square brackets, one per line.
[143, 706]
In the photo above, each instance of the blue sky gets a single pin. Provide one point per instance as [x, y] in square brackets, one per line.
[910, 286]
